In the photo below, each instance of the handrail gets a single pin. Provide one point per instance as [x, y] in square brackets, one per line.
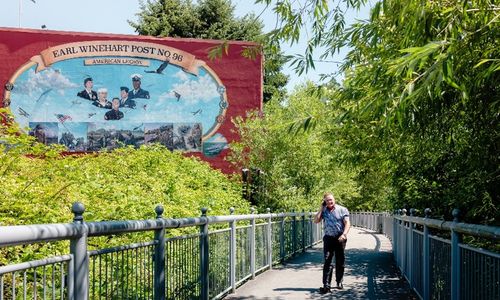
[437, 267]
[490, 232]
[28, 234]
[268, 237]
[34, 264]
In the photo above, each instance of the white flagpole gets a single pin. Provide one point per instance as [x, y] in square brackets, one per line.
[20, 10]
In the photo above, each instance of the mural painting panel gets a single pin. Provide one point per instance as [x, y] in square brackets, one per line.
[92, 91]
[116, 98]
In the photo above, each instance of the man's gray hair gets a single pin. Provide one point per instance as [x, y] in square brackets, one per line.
[328, 194]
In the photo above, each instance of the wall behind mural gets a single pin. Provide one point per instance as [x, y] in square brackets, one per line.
[91, 92]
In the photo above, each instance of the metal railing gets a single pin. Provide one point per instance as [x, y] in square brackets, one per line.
[437, 267]
[203, 265]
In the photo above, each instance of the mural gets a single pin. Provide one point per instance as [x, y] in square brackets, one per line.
[98, 95]
[61, 88]
[214, 145]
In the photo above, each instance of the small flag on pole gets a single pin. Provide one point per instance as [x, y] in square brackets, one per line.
[63, 118]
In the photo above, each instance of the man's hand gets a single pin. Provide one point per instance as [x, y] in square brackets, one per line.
[342, 238]
[317, 217]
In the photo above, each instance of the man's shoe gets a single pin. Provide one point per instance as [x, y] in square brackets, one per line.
[324, 290]
[340, 286]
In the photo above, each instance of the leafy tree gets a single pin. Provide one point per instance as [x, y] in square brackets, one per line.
[298, 168]
[212, 19]
[274, 80]
[431, 85]
[419, 103]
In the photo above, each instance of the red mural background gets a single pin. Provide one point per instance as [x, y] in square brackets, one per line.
[241, 77]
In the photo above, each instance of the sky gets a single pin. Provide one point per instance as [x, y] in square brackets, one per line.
[111, 16]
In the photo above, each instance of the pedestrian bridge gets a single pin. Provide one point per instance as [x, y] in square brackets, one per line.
[254, 256]
[370, 274]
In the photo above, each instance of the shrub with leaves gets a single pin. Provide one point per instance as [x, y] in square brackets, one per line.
[288, 143]
[39, 184]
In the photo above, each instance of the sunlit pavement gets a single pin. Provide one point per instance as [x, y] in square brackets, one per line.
[370, 274]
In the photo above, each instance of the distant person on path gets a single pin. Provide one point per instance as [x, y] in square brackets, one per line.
[88, 93]
[336, 226]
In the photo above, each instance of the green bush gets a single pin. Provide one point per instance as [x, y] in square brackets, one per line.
[39, 184]
[288, 144]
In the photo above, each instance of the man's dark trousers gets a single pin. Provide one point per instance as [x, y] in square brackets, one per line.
[332, 246]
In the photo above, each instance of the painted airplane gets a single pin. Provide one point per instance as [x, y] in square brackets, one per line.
[160, 68]
[22, 112]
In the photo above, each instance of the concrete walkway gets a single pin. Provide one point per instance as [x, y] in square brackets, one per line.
[370, 274]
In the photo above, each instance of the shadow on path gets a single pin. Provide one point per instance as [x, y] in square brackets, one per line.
[370, 274]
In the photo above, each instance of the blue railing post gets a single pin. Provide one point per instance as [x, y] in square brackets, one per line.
[78, 248]
[455, 258]
[269, 240]
[310, 226]
[303, 231]
[380, 222]
[311, 234]
[159, 257]
[411, 251]
[70, 277]
[426, 259]
[395, 237]
[294, 232]
[282, 238]
[204, 259]
[252, 244]
[405, 246]
[232, 253]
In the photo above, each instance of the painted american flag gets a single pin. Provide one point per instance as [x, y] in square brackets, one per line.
[63, 118]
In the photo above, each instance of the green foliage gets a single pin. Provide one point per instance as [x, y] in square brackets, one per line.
[322, 22]
[299, 165]
[214, 19]
[418, 111]
[431, 87]
[39, 185]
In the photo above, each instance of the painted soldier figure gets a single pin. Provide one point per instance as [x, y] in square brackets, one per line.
[137, 91]
[88, 93]
[125, 101]
[102, 101]
[114, 113]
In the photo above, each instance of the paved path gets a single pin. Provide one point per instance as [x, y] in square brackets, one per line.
[370, 274]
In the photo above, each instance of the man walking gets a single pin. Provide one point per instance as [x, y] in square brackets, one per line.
[336, 226]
